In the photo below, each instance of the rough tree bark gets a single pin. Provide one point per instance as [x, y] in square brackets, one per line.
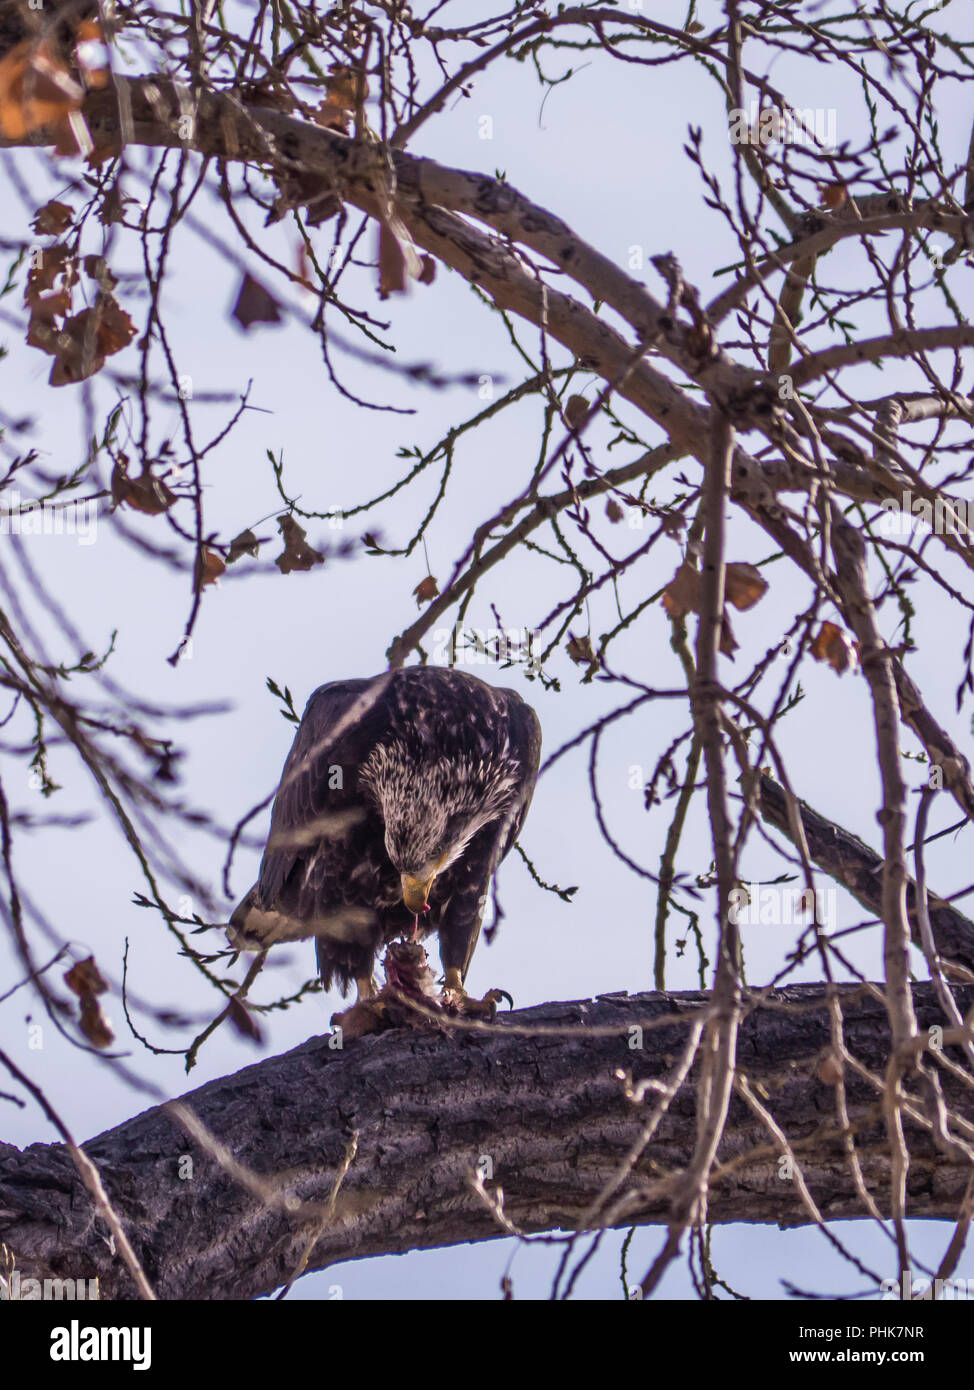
[548, 1109]
[859, 869]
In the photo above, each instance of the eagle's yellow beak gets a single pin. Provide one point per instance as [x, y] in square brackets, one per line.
[416, 891]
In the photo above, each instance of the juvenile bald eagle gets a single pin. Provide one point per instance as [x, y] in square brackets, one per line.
[399, 798]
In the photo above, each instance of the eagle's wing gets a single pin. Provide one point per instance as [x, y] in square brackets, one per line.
[308, 810]
[525, 735]
[460, 928]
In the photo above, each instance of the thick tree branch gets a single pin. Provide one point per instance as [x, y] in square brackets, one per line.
[539, 1095]
[859, 869]
[434, 200]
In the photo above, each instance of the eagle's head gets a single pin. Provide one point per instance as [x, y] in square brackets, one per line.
[432, 808]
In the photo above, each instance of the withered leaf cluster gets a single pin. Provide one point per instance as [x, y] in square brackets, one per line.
[81, 342]
[85, 980]
[743, 587]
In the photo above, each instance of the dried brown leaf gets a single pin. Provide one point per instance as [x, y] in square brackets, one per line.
[94, 1024]
[728, 642]
[426, 590]
[254, 304]
[87, 338]
[682, 595]
[36, 89]
[243, 1020]
[210, 564]
[85, 980]
[52, 218]
[244, 544]
[347, 87]
[297, 553]
[581, 651]
[834, 645]
[576, 411]
[84, 977]
[744, 585]
[146, 493]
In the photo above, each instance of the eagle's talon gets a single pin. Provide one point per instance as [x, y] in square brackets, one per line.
[485, 1008]
[455, 998]
[458, 1001]
[488, 1005]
